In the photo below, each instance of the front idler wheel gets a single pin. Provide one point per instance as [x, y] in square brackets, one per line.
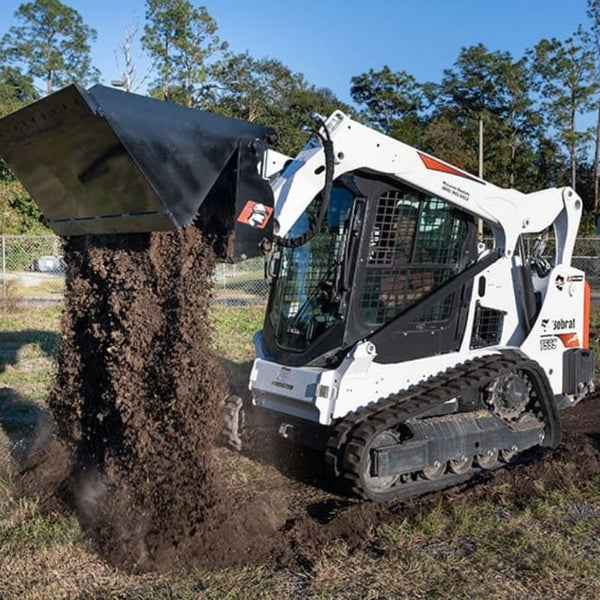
[375, 484]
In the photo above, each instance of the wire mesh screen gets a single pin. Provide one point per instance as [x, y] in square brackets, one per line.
[414, 249]
[487, 327]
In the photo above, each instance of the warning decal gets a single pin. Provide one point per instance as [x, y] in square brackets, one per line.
[255, 214]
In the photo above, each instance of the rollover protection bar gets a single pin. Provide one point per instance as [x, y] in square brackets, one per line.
[104, 161]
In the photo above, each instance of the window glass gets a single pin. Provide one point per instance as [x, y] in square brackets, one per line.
[301, 306]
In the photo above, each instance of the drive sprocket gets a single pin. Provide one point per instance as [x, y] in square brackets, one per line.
[509, 395]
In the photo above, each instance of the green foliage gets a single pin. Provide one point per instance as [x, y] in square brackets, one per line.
[567, 79]
[180, 40]
[495, 88]
[266, 91]
[18, 212]
[446, 137]
[16, 90]
[392, 102]
[52, 43]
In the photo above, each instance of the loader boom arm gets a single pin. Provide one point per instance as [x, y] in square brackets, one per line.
[509, 212]
[104, 161]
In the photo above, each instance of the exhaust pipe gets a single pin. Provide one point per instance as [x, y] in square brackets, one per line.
[104, 161]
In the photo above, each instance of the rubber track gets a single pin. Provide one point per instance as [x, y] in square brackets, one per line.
[351, 436]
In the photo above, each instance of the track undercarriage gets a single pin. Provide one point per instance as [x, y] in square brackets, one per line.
[477, 416]
[474, 417]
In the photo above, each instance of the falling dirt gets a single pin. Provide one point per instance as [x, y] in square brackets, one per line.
[136, 405]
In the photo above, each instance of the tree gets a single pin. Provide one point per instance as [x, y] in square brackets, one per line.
[593, 13]
[181, 40]
[266, 91]
[52, 44]
[391, 102]
[566, 78]
[519, 119]
[127, 61]
[248, 88]
[444, 136]
[485, 97]
[18, 212]
[470, 90]
[16, 90]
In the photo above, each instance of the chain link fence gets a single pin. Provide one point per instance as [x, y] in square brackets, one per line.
[32, 272]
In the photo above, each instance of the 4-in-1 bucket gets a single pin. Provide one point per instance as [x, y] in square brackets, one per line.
[104, 161]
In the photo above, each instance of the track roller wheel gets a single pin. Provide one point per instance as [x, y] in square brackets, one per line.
[487, 461]
[459, 466]
[434, 472]
[507, 455]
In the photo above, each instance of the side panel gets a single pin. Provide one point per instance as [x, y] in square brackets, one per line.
[560, 325]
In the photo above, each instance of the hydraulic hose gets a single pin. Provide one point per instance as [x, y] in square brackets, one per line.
[315, 226]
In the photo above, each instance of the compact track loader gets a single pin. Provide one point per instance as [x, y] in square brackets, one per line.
[413, 354]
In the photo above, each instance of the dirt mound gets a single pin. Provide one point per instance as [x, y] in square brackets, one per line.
[137, 392]
[44, 474]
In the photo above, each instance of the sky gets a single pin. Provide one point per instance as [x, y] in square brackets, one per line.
[329, 41]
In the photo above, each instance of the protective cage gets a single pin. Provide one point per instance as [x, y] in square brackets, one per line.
[105, 161]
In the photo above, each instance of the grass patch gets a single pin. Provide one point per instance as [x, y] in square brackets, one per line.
[234, 328]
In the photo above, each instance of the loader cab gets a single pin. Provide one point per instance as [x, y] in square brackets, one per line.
[385, 249]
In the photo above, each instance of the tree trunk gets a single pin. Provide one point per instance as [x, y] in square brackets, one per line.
[480, 147]
[596, 160]
[480, 173]
[572, 149]
[513, 150]
[513, 156]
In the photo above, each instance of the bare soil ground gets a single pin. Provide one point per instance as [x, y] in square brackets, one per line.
[286, 512]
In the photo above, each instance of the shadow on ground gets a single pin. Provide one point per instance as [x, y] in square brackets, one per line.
[26, 425]
[11, 343]
[292, 460]
[595, 438]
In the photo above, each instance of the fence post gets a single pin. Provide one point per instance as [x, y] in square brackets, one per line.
[4, 268]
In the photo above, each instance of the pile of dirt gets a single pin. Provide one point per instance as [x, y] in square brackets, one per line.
[137, 394]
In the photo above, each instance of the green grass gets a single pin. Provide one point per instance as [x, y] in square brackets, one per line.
[234, 328]
[548, 548]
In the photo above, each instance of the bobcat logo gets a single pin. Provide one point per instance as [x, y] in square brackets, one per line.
[255, 214]
[559, 282]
